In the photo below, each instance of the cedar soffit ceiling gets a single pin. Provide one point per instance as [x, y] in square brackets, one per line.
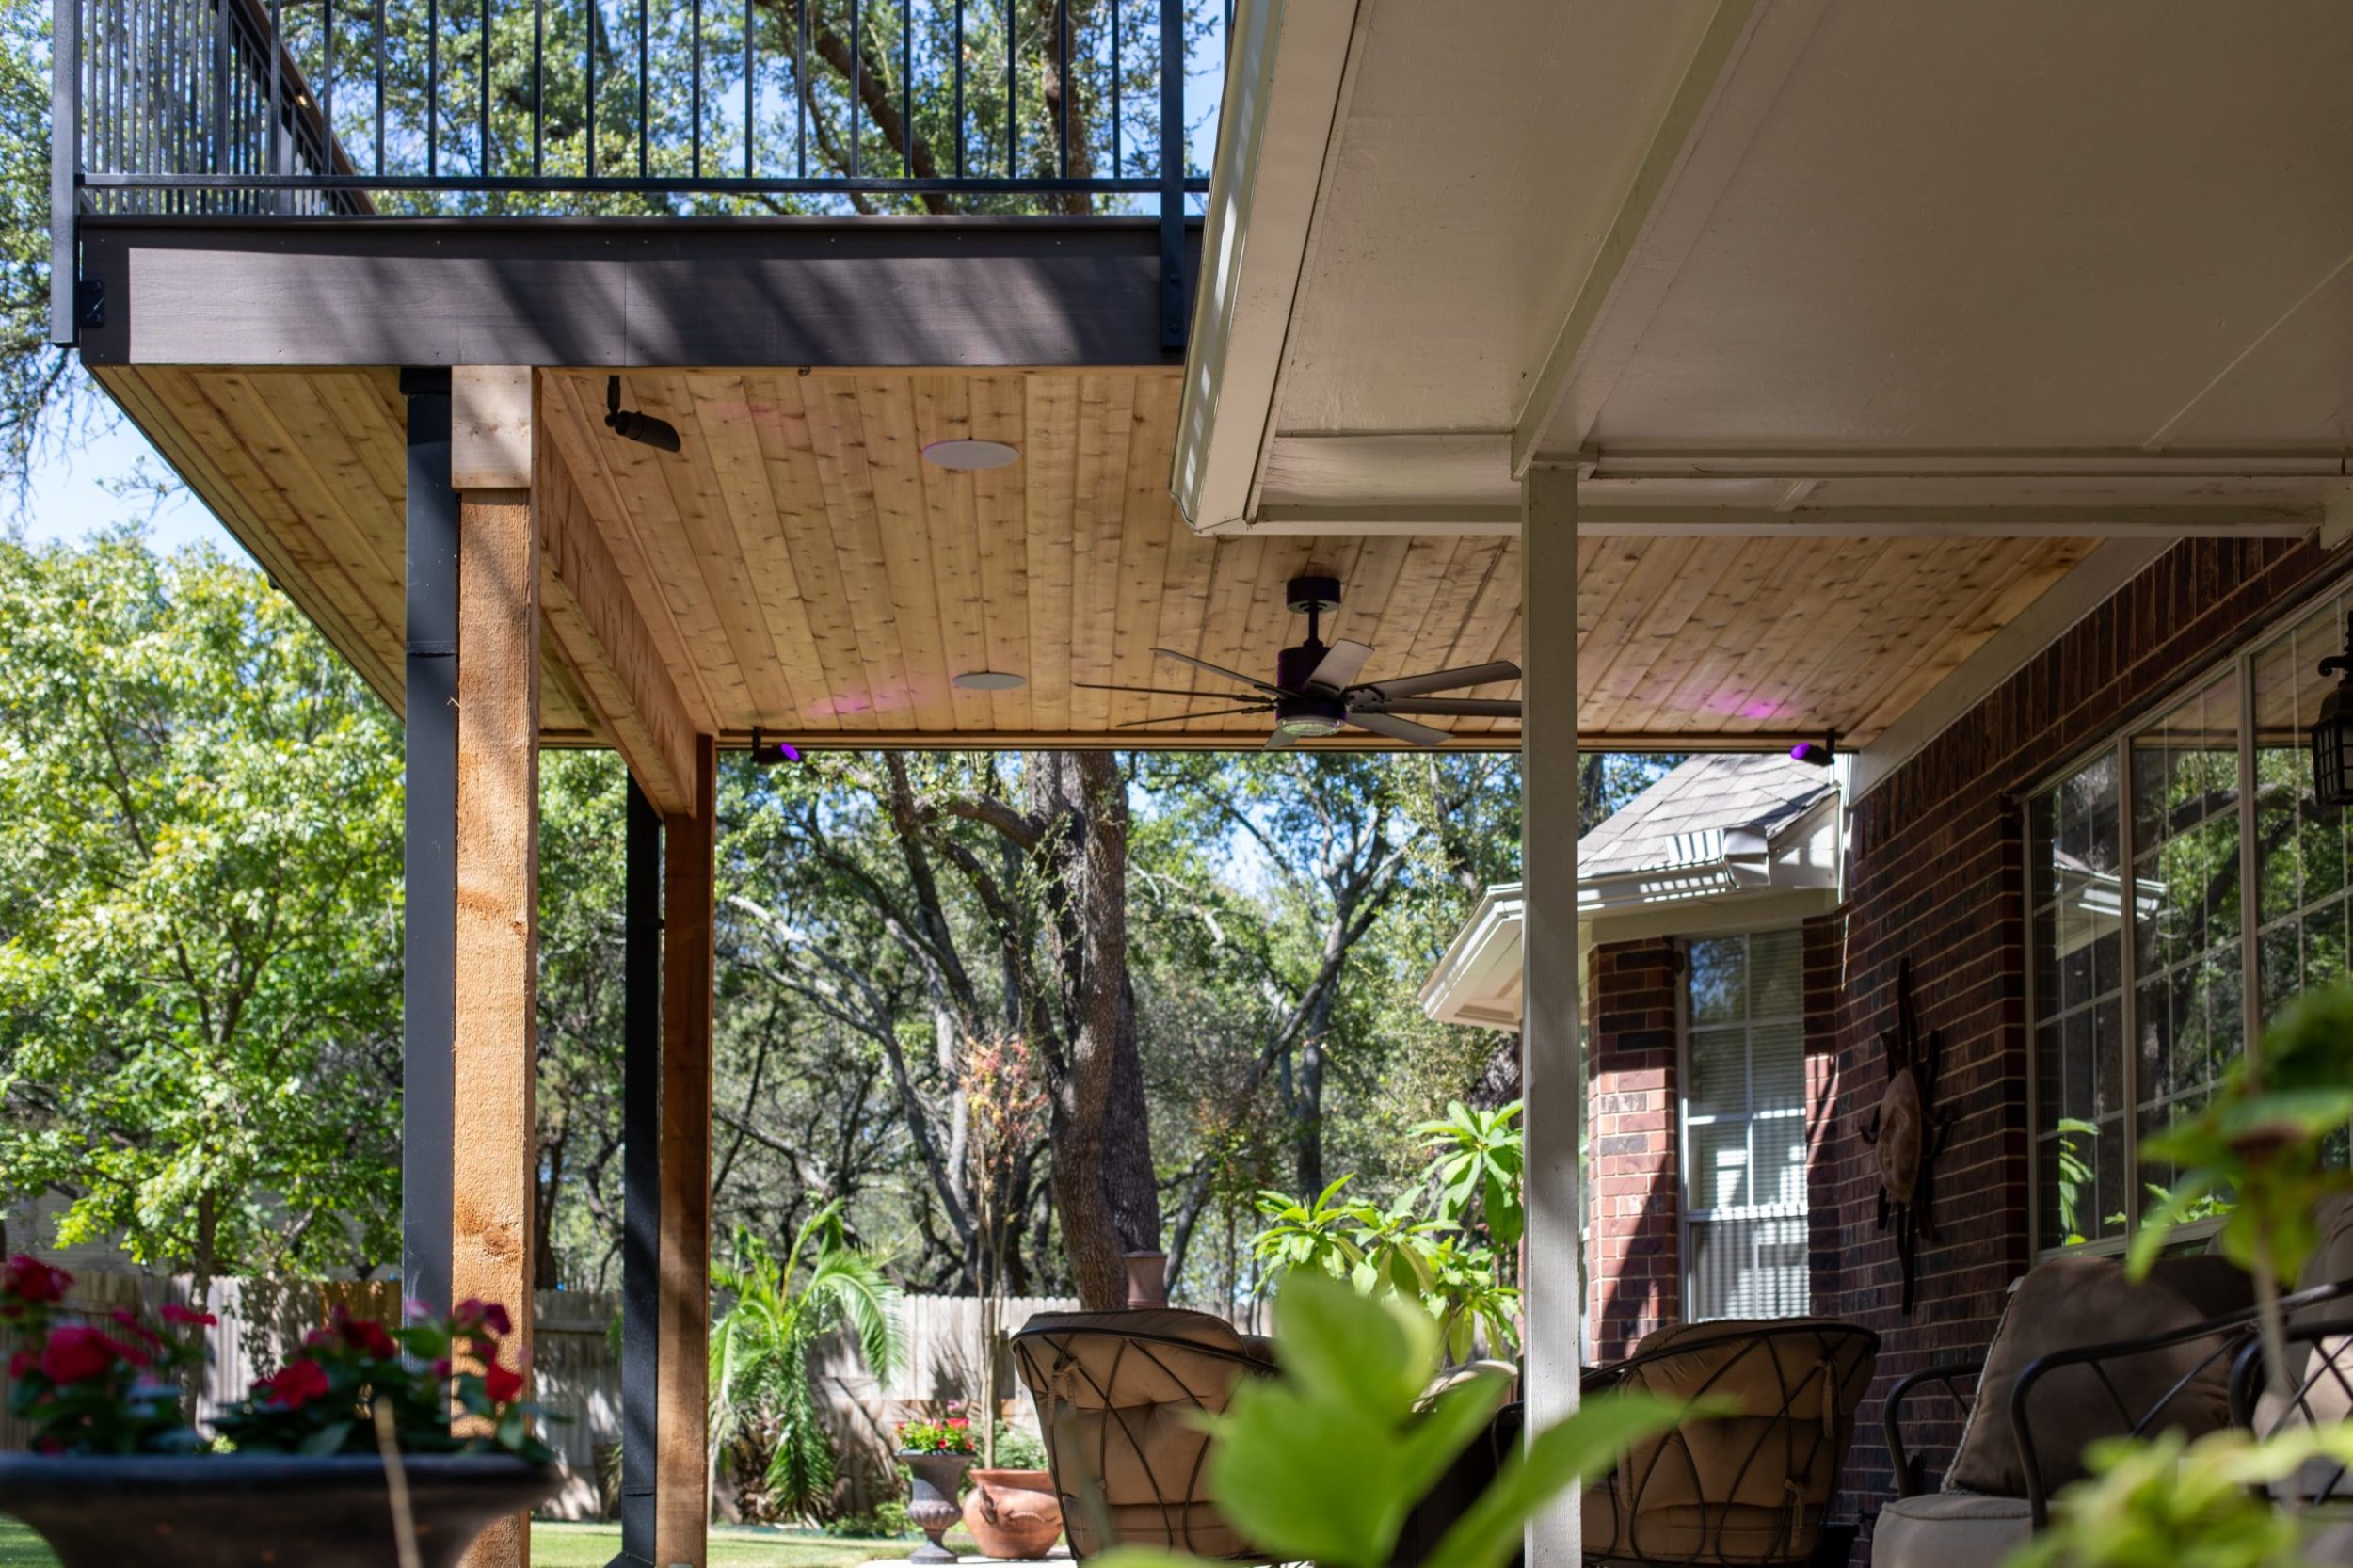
[799, 568]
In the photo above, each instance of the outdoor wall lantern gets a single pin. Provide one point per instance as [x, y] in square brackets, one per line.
[2332, 735]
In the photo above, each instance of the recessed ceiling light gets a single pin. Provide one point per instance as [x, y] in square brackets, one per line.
[988, 681]
[967, 456]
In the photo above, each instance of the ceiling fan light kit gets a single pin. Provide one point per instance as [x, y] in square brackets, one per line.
[1316, 693]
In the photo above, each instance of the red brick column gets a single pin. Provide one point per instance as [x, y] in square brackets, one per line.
[1635, 1267]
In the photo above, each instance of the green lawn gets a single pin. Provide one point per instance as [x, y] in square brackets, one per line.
[593, 1546]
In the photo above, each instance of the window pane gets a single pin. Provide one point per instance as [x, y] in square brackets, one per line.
[1719, 982]
[1777, 1066]
[2081, 1089]
[1717, 1064]
[1776, 975]
[1720, 1165]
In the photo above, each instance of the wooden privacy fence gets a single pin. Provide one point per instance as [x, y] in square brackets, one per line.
[577, 1369]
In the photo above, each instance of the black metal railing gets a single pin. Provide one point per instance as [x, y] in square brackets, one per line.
[583, 108]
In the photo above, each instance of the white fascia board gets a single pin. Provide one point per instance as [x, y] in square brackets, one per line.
[1284, 78]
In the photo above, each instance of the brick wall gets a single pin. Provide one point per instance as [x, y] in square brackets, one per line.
[1635, 1270]
[1935, 871]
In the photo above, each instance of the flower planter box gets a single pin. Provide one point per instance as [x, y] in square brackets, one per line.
[285, 1512]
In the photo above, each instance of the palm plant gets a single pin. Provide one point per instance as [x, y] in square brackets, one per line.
[759, 1348]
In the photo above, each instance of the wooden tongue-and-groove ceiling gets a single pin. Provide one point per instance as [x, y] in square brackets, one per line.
[799, 568]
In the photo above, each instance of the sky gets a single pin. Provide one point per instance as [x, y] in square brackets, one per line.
[68, 501]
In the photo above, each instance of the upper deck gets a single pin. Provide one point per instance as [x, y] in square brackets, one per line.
[595, 183]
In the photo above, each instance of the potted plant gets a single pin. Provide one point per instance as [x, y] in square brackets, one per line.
[346, 1455]
[1013, 1510]
[934, 1454]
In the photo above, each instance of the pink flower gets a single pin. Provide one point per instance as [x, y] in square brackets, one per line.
[365, 1334]
[74, 1355]
[296, 1383]
[126, 1317]
[474, 1313]
[19, 1364]
[28, 1279]
[180, 1316]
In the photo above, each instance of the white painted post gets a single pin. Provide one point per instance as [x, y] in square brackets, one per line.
[1552, 1067]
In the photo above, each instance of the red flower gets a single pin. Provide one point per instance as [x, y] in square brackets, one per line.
[19, 1364]
[365, 1334]
[440, 1366]
[503, 1383]
[180, 1316]
[74, 1354]
[959, 1421]
[474, 1313]
[130, 1320]
[296, 1383]
[28, 1279]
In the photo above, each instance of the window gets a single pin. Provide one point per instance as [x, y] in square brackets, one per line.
[1743, 1109]
[2153, 864]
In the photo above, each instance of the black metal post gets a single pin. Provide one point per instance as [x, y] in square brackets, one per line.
[641, 1175]
[1173, 323]
[429, 855]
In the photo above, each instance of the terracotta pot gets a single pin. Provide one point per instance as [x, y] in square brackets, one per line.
[1013, 1515]
[230, 1512]
[933, 1480]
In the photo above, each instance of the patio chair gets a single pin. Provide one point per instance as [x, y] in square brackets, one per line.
[1753, 1488]
[2058, 1377]
[1115, 1392]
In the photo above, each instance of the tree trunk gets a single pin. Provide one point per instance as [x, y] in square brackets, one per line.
[1135, 1194]
[1083, 800]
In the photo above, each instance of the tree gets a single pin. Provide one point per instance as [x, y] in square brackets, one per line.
[200, 874]
[45, 401]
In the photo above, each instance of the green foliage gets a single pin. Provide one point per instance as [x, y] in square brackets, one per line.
[1477, 1169]
[1322, 1463]
[45, 398]
[1018, 1450]
[2258, 1145]
[2169, 1503]
[1455, 1263]
[759, 1346]
[199, 876]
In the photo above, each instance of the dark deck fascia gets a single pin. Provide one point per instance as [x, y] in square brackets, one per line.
[663, 291]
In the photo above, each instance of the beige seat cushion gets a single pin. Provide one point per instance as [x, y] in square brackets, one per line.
[2068, 1303]
[1949, 1530]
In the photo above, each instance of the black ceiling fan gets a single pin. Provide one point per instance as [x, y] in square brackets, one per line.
[1315, 690]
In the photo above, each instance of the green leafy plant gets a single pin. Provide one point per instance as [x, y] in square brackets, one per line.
[761, 1345]
[1322, 1463]
[2167, 1502]
[324, 1400]
[1477, 1169]
[1015, 1450]
[2258, 1148]
[95, 1388]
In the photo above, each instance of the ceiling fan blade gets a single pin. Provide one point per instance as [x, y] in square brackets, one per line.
[1340, 665]
[1403, 729]
[1154, 690]
[1451, 706]
[1180, 718]
[1440, 680]
[1282, 740]
[1219, 669]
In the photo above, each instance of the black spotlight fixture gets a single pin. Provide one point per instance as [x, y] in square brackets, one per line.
[769, 753]
[1819, 754]
[643, 429]
[2332, 733]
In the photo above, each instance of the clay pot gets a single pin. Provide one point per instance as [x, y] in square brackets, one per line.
[1013, 1515]
[242, 1512]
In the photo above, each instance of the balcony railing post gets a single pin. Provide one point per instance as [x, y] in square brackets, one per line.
[65, 157]
[1173, 173]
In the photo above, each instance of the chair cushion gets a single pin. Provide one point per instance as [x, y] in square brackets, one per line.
[1949, 1530]
[2071, 1302]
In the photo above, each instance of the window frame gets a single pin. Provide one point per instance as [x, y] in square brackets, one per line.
[1685, 1214]
[2117, 745]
